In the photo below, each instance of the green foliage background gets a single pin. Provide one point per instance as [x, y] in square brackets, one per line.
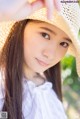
[69, 73]
[71, 82]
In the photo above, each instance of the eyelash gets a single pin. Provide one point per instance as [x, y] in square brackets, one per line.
[43, 33]
[62, 43]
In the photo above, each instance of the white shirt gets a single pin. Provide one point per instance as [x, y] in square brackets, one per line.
[39, 102]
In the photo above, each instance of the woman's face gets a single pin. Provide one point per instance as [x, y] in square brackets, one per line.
[44, 46]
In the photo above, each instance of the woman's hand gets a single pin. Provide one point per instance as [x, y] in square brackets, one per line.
[50, 5]
[19, 9]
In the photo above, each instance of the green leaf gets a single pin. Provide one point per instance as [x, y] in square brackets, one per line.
[79, 2]
[79, 34]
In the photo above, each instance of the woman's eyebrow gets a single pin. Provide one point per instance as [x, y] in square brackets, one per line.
[51, 31]
[68, 39]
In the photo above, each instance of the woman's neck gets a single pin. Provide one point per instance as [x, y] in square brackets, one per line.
[37, 78]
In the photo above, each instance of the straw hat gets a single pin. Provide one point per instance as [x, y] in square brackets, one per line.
[68, 20]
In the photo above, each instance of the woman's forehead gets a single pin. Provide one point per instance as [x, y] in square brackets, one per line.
[46, 26]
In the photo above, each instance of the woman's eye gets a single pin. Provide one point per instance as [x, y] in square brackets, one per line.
[64, 44]
[45, 35]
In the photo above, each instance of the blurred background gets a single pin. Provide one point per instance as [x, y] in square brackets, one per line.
[71, 86]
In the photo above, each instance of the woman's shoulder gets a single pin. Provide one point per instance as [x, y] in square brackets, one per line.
[2, 90]
[2, 86]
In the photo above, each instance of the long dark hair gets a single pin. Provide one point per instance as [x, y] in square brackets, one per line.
[11, 59]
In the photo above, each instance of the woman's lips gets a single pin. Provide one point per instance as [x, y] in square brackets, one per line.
[41, 62]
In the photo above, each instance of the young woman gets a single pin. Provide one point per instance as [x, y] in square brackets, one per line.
[30, 81]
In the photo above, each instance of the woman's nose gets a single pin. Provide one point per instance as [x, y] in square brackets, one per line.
[50, 51]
